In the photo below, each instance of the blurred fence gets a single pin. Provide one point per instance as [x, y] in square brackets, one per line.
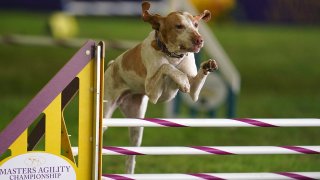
[280, 11]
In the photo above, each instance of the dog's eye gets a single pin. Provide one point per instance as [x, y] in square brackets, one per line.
[179, 26]
[196, 25]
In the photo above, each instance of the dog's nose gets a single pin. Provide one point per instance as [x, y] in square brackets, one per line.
[197, 40]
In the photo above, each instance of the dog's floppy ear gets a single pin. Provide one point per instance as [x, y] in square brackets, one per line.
[154, 20]
[205, 15]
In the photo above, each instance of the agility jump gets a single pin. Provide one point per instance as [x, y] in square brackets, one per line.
[84, 74]
[213, 150]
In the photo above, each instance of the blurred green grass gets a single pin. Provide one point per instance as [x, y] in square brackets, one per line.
[279, 66]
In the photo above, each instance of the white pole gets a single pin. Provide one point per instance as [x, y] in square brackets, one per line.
[206, 150]
[232, 176]
[96, 130]
[211, 150]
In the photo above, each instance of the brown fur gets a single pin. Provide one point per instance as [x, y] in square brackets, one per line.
[132, 61]
[205, 15]
[115, 75]
[155, 46]
[171, 21]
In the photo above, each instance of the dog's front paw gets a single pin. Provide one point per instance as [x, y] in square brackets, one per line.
[184, 85]
[209, 66]
[185, 88]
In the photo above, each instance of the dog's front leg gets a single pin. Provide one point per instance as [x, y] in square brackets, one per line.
[155, 84]
[197, 82]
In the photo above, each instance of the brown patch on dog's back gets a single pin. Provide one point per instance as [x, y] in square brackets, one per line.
[132, 61]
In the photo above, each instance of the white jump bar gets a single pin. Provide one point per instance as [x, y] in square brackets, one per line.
[244, 122]
[218, 176]
[207, 150]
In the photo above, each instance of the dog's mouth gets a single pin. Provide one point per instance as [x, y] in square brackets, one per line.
[197, 48]
[193, 48]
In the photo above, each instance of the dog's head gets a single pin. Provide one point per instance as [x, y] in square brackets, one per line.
[178, 30]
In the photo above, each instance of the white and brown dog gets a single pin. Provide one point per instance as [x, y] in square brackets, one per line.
[156, 69]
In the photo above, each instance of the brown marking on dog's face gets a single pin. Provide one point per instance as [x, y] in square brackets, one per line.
[178, 30]
[132, 61]
[168, 27]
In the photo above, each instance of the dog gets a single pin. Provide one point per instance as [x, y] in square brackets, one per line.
[156, 69]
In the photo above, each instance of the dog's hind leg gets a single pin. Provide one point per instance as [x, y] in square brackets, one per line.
[135, 134]
[109, 107]
[134, 106]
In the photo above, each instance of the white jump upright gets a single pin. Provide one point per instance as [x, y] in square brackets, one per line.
[212, 150]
